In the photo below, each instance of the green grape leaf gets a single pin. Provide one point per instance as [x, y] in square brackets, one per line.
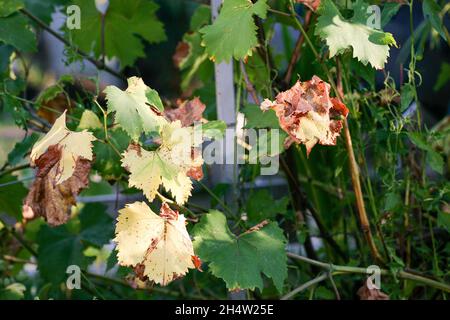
[8, 7]
[44, 9]
[62, 246]
[97, 226]
[369, 45]
[256, 118]
[58, 248]
[15, 31]
[233, 33]
[126, 23]
[133, 108]
[261, 205]
[241, 260]
[431, 13]
[21, 149]
[12, 194]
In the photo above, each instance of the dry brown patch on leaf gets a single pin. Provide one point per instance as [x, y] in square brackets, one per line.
[374, 293]
[195, 173]
[308, 114]
[187, 112]
[50, 200]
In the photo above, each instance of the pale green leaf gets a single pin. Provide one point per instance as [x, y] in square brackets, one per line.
[369, 45]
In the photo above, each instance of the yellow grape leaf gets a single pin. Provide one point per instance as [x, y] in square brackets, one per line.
[74, 145]
[158, 243]
[169, 165]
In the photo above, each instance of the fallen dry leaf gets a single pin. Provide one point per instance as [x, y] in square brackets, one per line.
[308, 114]
[48, 199]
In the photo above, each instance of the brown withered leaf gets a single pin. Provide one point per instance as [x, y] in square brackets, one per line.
[312, 4]
[187, 112]
[308, 114]
[181, 52]
[365, 293]
[48, 199]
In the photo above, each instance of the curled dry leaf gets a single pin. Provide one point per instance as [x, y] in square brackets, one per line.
[187, 112]
[63, 159]
[157, 246]
[370, 292]
[49, 199]
[308, 114]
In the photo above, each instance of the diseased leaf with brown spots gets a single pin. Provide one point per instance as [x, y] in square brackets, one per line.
[48, 199]
[374, 293]
[187, 112]
[157, 246]
[308, 114]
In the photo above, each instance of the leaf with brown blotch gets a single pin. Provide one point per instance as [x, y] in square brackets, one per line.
[157, 246]
[312, 4]
[72, 145]
[375, 293]
[187, 112]
[308, 114]
[49, 199]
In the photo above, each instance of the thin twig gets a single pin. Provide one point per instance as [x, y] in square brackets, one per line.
[13, 169]
[305, 286]
[297, 49]
[248, 84]
[333, 284]
[338, 269]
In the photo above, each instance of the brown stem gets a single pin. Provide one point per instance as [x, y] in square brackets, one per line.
[297, 49]
[354, 170]
[248, 84]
